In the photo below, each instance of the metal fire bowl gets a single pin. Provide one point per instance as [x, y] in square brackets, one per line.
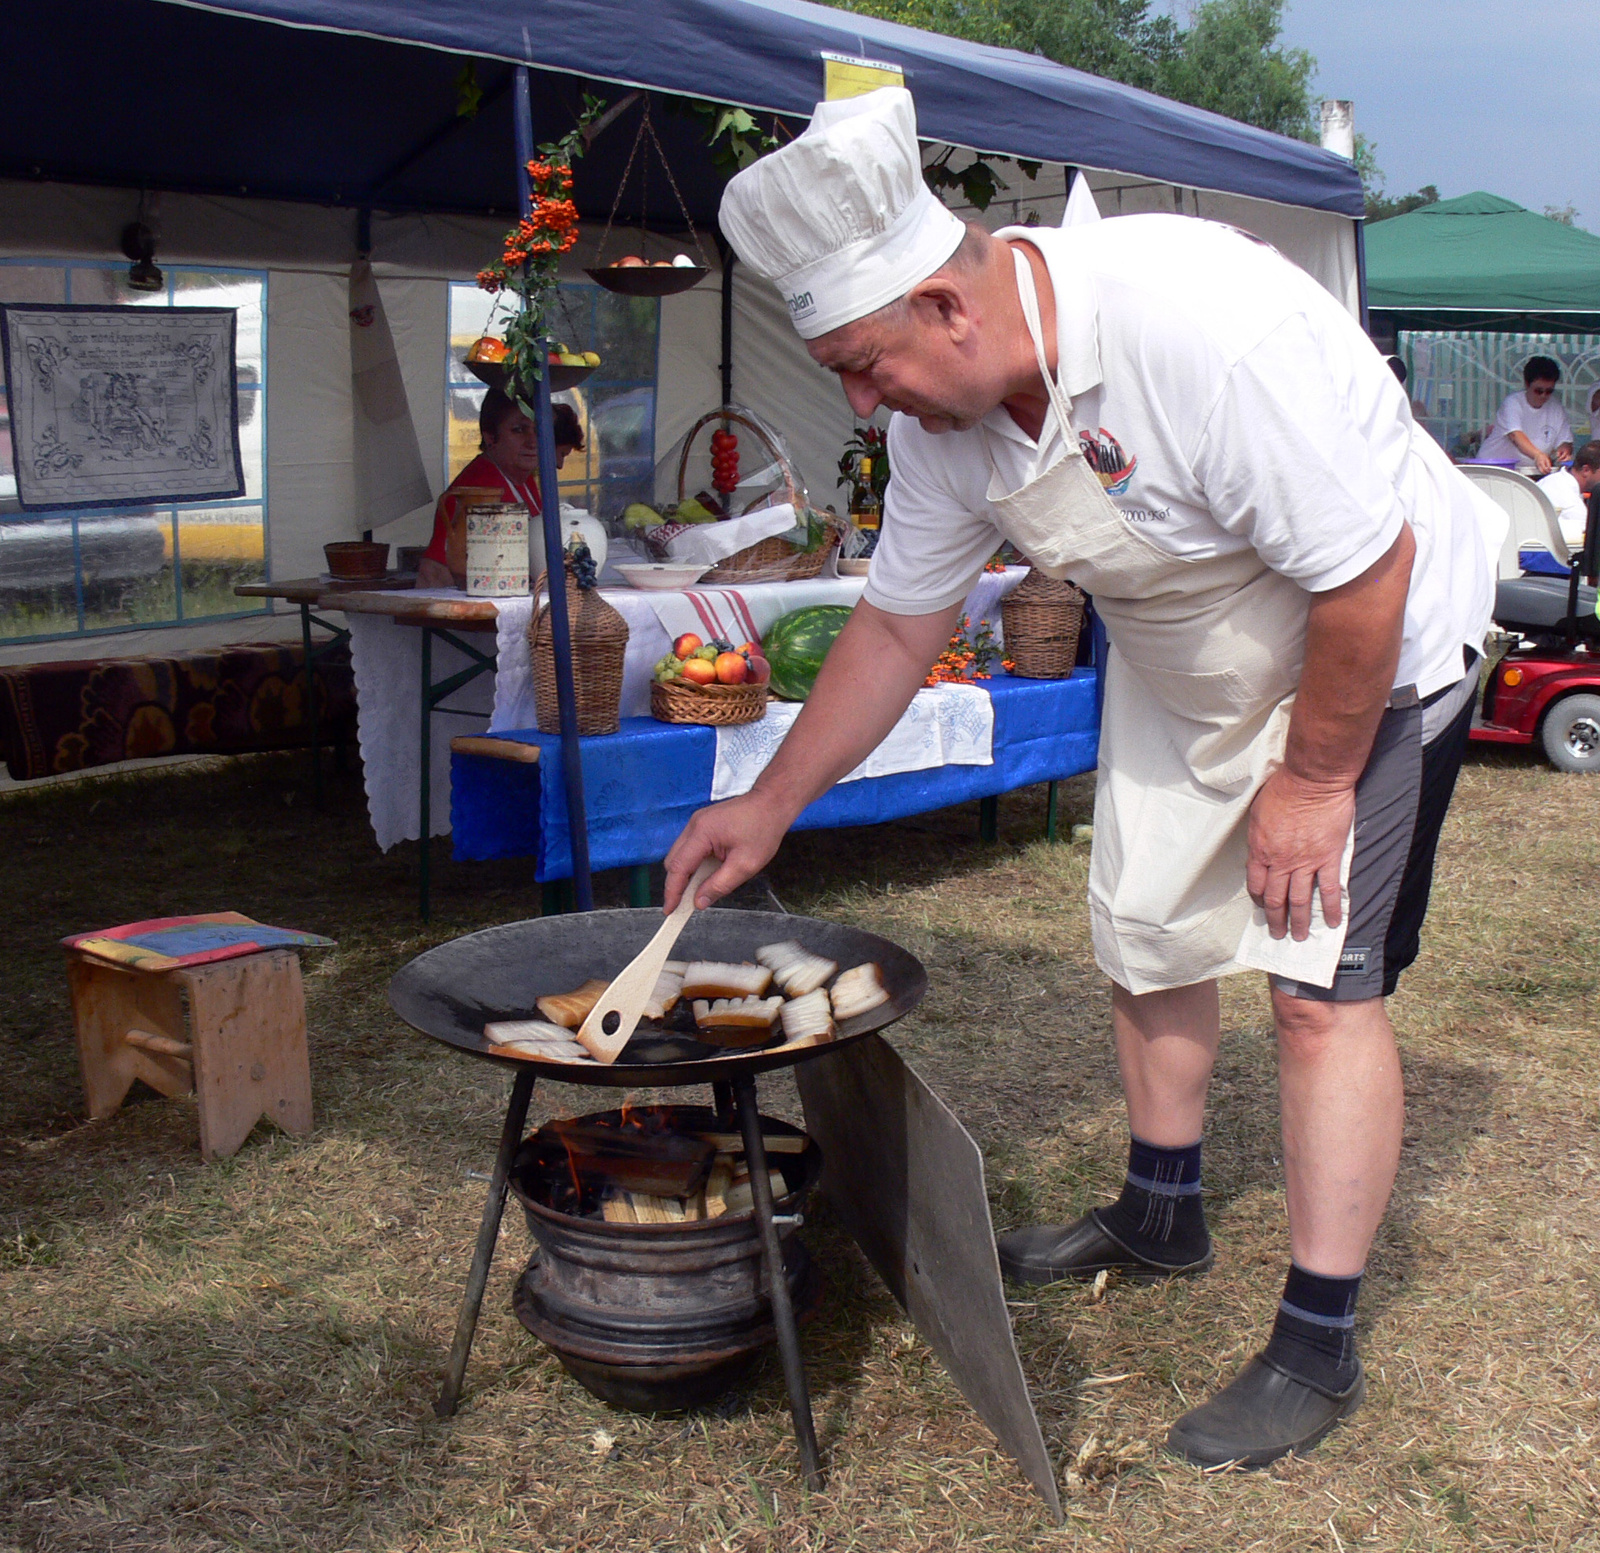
[453, 991]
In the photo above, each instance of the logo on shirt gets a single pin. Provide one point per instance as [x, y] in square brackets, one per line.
[1112, 467]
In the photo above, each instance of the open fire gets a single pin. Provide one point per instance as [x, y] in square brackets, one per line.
[652, 1164]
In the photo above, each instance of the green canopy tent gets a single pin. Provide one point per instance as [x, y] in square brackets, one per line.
[1478, 263]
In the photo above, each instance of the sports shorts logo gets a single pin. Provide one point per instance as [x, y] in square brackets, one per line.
[1354, 961]
[1113, 468]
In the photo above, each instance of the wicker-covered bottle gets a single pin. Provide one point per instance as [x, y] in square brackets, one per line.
[599, 644]
[1041, 619]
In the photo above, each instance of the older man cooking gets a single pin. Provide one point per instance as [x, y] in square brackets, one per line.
[1295, 584]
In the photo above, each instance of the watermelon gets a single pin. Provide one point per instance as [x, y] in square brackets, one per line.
[797, 644]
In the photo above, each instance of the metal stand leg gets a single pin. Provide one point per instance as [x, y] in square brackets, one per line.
[794, 1370]
[988, 819]
[425, 780]
[722, 1102]
[455, 1369]
[1050, 814]
[311, 704]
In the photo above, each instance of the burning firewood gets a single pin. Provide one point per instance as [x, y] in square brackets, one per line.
[740, 1195]
[663, 1164]
[773, 1142]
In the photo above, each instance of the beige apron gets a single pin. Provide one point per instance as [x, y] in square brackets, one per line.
[1205, 657]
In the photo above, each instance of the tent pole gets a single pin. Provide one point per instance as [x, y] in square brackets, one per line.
[1361, 275]
[725, 252]
[550, 500]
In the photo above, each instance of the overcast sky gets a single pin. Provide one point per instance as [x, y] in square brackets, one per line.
[1500, 95]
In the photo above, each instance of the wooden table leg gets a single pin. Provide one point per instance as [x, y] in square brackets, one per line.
[455, 1369]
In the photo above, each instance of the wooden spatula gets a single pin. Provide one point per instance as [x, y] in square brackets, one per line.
[630, 990]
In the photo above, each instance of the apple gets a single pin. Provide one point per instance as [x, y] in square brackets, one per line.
[760, 671]
[698, 672]
[731, 668]
[629, 261]
[686, 645]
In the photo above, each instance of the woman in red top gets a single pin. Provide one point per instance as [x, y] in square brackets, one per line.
[508, 463]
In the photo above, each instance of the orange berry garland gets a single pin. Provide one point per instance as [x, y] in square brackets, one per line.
[968, 657]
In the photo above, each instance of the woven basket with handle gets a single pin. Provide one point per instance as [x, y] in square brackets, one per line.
[599, 644]
[1041, 619]
[717, 706]
[769, 560]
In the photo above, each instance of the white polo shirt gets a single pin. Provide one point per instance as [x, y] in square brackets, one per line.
[1244, 407]
[1545, 426]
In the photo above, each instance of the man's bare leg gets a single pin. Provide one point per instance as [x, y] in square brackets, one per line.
[1343, 1108]
[1166, 1045]
[1343, 1111]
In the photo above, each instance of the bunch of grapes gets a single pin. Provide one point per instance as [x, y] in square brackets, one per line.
[724, 461]
[580, 563]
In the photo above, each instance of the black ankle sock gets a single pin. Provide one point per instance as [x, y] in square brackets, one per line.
[1159, 1215]
[1314, 1336]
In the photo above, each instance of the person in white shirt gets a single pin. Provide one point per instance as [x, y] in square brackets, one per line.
[1531, 427]
[1569, 491]
[1295, 582]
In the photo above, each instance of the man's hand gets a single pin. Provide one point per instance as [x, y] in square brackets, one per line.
[1298, 831]
[744, 832]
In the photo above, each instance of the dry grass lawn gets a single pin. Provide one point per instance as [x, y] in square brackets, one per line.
[243, 1356]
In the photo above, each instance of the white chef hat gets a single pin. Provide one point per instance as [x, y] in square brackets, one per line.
[840, 219]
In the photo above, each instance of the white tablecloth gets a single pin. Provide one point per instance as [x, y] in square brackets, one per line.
[387, 659]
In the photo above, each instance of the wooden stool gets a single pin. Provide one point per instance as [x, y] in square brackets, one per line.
[232, 1033]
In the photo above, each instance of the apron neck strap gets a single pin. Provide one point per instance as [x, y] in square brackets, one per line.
[1028, 295]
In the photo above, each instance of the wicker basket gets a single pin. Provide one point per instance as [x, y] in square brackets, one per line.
[717, 706]
[1041, 619]
[599, 643]
[769, 560]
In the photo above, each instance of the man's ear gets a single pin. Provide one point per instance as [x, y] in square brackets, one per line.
[939, 302]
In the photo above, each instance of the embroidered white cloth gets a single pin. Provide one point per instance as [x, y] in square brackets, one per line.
[949, 725]
[387, 659]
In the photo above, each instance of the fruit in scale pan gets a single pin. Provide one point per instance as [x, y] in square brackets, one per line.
[629, 261]
[591, 358]
[699, 672]
[797, 644]
[731, 668]
[686, 644]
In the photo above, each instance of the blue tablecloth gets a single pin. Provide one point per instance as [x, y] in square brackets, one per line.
[643, 782]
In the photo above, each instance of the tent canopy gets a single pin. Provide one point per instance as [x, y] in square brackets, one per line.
[1481, 262]
[354, 102]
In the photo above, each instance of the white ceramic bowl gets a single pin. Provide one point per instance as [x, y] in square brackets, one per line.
[663, 575]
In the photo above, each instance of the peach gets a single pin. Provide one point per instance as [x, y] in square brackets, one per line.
[731, 668]
[687, 645]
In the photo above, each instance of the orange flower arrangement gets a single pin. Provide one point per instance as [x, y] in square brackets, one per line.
[530, 256]
[968, 657]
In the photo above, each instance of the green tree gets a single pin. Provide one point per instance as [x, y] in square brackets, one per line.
[1228, 58]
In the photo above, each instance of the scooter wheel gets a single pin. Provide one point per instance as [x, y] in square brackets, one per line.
[1571, 734]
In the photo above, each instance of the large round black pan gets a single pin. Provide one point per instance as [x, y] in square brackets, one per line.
[453, 991]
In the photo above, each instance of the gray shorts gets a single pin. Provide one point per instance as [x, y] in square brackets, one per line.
[1401, 801]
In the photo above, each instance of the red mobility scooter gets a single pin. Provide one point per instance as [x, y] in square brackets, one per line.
[1546, 690]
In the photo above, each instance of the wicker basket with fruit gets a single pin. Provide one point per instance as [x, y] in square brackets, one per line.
[712, 683]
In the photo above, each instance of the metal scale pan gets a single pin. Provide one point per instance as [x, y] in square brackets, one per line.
[453, 991]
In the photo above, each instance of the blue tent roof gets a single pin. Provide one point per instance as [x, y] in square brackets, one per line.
[352, 102]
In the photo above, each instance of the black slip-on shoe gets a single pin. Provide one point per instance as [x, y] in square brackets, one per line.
[1261, 1414]
[1050, 1252]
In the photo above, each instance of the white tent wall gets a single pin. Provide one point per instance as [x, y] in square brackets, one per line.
[307, 250]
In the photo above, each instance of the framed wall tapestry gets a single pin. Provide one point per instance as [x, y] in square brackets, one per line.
[121, 406]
